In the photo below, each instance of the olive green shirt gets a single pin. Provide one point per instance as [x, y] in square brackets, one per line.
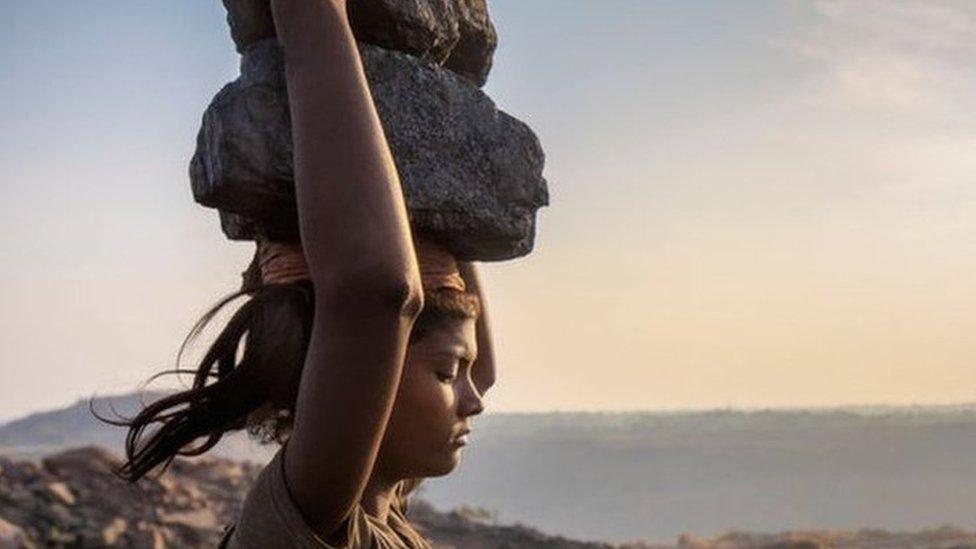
[270, 518]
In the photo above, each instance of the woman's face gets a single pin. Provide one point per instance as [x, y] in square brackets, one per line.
[436, 400]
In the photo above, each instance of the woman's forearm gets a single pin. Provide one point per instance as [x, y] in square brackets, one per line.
[356, 238]
[483, 371]
[352, 216]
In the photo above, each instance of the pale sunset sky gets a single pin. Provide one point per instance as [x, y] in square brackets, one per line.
[753, 203]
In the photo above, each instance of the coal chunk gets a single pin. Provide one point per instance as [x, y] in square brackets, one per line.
[471, 174]
[455, 33]
[472, 55]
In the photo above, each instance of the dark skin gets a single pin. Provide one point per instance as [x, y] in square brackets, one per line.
[362, 263]
[445, 378]
[484, 366]
[436, 401]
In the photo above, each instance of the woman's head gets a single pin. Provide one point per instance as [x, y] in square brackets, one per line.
[436, 398]
[257, 390]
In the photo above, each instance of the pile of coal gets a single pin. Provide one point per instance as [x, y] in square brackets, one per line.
[471, 174]
[73, 499]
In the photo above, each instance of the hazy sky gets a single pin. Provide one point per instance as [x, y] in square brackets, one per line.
[753, 203]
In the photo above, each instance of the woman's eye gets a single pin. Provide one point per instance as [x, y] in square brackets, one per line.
[446, 377]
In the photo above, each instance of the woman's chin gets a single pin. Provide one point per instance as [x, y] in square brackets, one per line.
[448, 465]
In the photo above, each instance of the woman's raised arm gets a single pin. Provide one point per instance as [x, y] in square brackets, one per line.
[356, 238]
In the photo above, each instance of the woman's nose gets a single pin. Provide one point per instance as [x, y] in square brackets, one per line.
[471, 403]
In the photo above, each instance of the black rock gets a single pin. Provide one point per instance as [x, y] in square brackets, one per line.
[471, 174]
[457, 33]
[472, 55]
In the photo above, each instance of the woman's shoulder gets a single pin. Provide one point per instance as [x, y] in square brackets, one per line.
[270, 518]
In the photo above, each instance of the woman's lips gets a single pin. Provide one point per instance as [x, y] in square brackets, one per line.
[461, 438]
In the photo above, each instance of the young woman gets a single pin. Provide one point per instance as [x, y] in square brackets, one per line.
[366, 351]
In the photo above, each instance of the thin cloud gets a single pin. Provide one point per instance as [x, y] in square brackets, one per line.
[906, 58]
[888, 83]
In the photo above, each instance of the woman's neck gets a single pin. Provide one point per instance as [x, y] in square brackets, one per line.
[379, 495]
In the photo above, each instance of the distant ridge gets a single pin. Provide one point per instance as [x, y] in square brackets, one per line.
[47, 432]
[861, 409]
[73, 425]
[54, 430]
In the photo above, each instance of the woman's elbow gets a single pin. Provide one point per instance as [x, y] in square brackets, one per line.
[398, 293]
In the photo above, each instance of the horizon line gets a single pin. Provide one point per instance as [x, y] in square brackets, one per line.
[817, 408]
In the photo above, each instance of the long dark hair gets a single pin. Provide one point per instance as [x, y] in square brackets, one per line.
[255, 389]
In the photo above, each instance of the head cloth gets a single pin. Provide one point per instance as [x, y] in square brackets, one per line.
[284, 262]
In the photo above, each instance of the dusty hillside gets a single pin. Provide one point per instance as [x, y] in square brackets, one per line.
[620, 477]
[72, 499]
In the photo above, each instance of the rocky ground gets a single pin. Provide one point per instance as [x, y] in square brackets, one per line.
[72, 499]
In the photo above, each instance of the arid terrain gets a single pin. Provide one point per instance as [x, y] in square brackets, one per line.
[842, 478]
[73, 499]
